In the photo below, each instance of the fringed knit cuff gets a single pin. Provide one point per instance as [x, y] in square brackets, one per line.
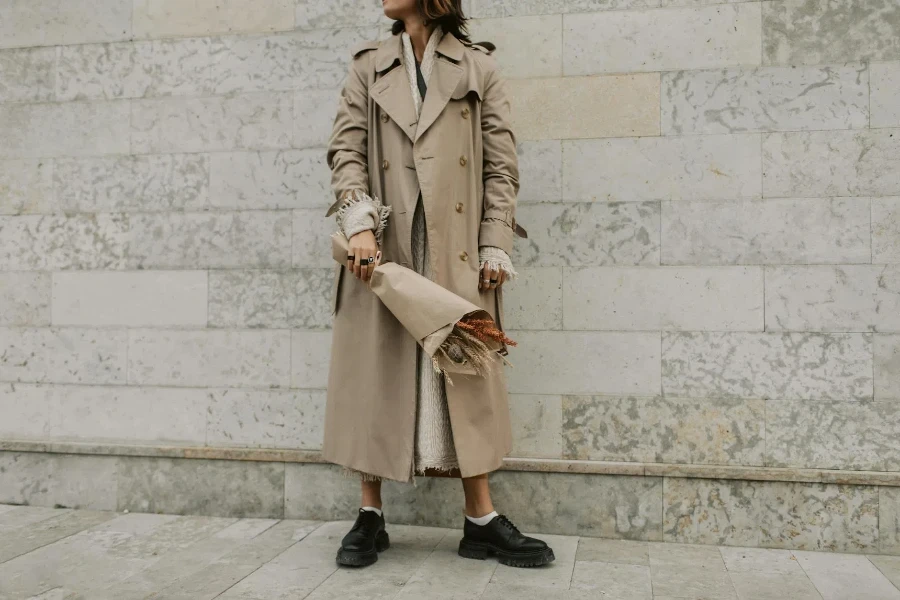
[496, 259]
[361, 212]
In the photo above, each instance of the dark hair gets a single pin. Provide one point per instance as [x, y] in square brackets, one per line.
[446, 13]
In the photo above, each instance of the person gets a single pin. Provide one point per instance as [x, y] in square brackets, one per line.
[424, 171]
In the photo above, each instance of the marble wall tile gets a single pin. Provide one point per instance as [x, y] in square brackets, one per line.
[765, 99]
[608, 106]
[582, 362]
[73, 129]
[664, 430]
[831, 163]
[648, 299]
[886, 230]
[666, 3]
[57, 242]
[889, 520]
[27, 75]
[310, 358]
[833, 435]
[144, 183]
[319, 492]
[59, 480]
[885, 83]
[241, 122]
[541, 34]
[772, 231]
[232, 488]
[63, 355]
[197, 358]
[667, 168]
[823, 298]
[51, 22]
[280, 179]
[266, 419]
[798, 32]
[239, 239]
[540, 171]
[534, 300]
[314, 113]
[26, 187]
[887, 367]
[271, 299]
[28, 411]
[169, 18]
[588, 233]
[300, 60]
[684, 38]
[788, 366]
[312, 238]
[132, 298]
[536, 425]
[24, 298]
[134, 70]
[620, 507]
[513, 8]
[712, 511]
[311, 14]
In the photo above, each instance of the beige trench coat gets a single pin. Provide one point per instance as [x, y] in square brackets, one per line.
[461, 155]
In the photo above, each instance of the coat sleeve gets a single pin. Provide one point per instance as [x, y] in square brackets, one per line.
[501, 169]
[347, 153]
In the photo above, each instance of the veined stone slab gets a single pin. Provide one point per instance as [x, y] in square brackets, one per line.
[271, 299]
[168, 18]
[534, 300]
[788, 366]
[540, 35]
[279, 179]
[654, 40]
[843, 298]
[63, 355]
[889, 522]
[145, 183]
[887, 367]
[607, 106]
[312, 14]
[27, 74]
[797, 32]
[650, 299]
[133, 298]
[540, 171]
[536, 425]
[24, 298]
[266, 419]
[833, 435]
[26, 187]
[664, 430]
[588, 233]
[134, 70]
[314, 113]
[512, 8]
[886, 230]
[776, 231]
[765, 99]
[310, 356]
[199, 358]
[242, 122]
[60, 480]
[312, 238]
[832, 163]
[56, 22]
[885, 83]
[581, 362]
[72, 129]
[662, 168]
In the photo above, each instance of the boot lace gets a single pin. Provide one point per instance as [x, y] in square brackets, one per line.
[504, 520]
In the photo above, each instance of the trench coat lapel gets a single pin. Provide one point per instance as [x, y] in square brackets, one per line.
[391, 92]
[444, 78]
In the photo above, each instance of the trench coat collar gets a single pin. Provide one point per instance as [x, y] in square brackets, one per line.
[390, 51]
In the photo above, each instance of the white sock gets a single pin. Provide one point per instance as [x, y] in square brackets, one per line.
[377, 511]
[483, 520]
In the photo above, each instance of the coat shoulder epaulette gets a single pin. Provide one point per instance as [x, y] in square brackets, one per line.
[486, 47]
[364, 47]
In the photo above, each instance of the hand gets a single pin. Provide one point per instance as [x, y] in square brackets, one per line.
[487, 274]
[362, 246]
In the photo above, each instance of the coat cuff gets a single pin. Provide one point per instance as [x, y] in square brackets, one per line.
[496, 233]
[497, 260]
[361, 212]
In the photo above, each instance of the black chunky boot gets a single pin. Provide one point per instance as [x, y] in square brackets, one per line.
[367, 537]
[502, 539]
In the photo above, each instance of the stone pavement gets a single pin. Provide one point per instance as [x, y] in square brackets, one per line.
[63, 554]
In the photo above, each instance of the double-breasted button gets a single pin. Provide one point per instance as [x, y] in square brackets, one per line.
[386, 165]
[384, 118]
[463, 160]
[465, 113]
[463, 255]
[459, 207]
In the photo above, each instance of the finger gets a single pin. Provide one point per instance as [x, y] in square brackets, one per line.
[501, 278]
[366, 269]
[495, 274]
[484, 277]
[356, 262]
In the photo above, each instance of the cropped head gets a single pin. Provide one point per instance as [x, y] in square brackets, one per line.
[446, 13]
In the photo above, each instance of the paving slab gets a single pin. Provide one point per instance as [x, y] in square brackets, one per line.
[846, 576]
[446, 576]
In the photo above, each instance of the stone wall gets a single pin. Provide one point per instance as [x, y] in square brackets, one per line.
[709, 294]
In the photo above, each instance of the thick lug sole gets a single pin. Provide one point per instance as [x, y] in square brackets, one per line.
[350, 558]
[480, 551]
